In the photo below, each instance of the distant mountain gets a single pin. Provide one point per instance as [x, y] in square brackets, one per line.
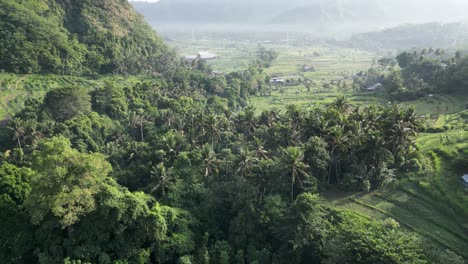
[373, 12]
[77, 37]
[436, 35]
[208, 11]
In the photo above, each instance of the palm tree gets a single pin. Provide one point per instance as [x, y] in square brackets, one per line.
[171, 144]
[401, 126]
[342, 104]
[285, 135]
[180, 123]
[294, 115]
[338, 140]
[162, 179]
[18, 128]
[167, 117]
[133, 121]
[269, 117]
[260, 151]
[136, 150]
[246, 163]
[210, 161]
[297, 170]
[142, 120]
[248, 121]
[262, 178]
[212, 130]
[34, 134]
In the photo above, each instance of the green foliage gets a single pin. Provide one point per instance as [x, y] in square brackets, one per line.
[68, 102]
[358, 240]
[66, 182]
[420, 73]
[79, 37]
[304, 229]
[14, 182]
[15, 233]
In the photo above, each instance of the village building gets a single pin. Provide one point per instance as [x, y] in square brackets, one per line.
[374, 87]
[306, 68]
[202, 55]
[465, 180]
[277, 81]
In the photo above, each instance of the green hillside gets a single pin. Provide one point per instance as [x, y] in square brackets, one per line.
[78, 37]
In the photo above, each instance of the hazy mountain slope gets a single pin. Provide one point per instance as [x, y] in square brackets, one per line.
[413, 35]
[78, 37]
[301, 11]
[208, 11]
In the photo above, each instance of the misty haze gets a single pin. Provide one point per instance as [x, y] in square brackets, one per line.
[301, 15]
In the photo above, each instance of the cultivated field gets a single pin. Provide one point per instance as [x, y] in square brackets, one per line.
[329, 63]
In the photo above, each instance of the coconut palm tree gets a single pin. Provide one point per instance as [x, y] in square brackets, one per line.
[247, 121]
[269, 117]
[296, 169]
[212, 129]
[338, 139]
[246, 163]
[162, 178]
[210, 161]
[259, 150]
[133, 121]
[294, 116]
[342, 104]
[18, 128]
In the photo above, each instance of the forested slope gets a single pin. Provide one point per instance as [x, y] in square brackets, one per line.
[78, 37]
[178, 168]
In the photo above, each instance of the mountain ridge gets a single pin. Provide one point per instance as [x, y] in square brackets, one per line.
[76, 37]
[297, 11]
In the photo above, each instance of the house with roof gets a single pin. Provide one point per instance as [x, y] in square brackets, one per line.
[277, 81]
[306, 68]
[374, 87]
[202, 55]
[465, 180]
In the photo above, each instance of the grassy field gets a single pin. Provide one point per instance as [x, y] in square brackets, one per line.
[330, 64]
[232, 56]
[415, 212]
[439, 104]
[315, 98]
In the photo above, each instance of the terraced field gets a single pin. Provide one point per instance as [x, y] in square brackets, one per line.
[316, 97]
[414, 212]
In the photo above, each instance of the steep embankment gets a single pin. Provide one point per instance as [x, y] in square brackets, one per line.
[77, 37]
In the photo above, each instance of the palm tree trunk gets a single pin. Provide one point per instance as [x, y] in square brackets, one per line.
[141, 129]
[332, 158]
[292, 189]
